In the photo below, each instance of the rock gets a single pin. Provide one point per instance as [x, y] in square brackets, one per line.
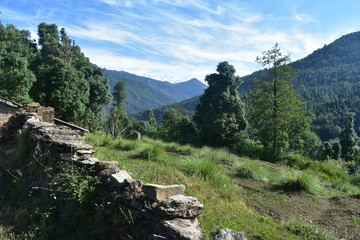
[229, 234]
[160, 192]
[178, 206]
[182, 229]
[109, 171]
[102, 165]
[135, 136]
[119, 177]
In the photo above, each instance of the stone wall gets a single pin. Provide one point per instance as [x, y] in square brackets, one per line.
[157, 211]
[6, 112]
[46, 113]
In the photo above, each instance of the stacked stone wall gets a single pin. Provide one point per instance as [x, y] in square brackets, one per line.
[157, 211]
[6, 112]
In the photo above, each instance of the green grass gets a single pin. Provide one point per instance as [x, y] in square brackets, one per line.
[211, 176]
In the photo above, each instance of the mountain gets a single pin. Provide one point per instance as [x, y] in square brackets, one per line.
[147, 93]
[329, 82]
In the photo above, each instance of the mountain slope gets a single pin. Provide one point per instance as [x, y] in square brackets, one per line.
[139, 96]
[330, 80]
[147, 93]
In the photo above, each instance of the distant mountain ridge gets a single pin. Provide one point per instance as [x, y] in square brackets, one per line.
[146, 93]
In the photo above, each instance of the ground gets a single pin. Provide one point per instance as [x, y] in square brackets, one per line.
[337, 215]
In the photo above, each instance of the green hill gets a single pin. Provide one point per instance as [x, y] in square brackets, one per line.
[147, 93]
[329, 82]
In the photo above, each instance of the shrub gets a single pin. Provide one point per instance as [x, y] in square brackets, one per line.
[201, 167]
[299, 181]
[252, 170]
[296, 160]
[151, 152]
[125, 145]
[330, 169]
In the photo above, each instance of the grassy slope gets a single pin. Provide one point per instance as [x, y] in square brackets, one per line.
[263, 200]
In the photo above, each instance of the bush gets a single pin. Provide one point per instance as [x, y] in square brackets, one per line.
[249, 147]
[201, 167]
[151, 152]
[125, 145]
[296, 160]
[330, 169]
[299, 181]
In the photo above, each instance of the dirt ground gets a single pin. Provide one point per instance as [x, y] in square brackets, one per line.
[339, 216]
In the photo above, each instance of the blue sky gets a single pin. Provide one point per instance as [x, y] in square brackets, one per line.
[176, 40]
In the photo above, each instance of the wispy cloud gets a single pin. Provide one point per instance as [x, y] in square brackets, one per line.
[175, 39]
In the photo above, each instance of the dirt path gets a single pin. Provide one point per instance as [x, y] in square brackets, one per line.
[337, 215]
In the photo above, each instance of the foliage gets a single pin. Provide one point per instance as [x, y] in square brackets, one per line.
[17, 53]
[53, 72]
[276, 113]
[118, 123]
[220, 115]
[348, 140]
[296, 181]
[177, 127]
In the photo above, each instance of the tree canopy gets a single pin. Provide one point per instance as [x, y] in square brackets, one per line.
[220, 114]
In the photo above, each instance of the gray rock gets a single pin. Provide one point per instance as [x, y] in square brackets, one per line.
[178, 206]
[182, 229]
[120, 176]
[229, 234]
[160, 192]
[135, 136]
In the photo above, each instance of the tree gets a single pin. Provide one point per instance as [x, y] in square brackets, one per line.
[220, 113]
[276, 111]
[118, 122]
[177, 128]
[17, 52]
[348, 139]
[66, 79]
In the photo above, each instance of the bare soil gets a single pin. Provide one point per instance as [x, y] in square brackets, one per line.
[339, 216]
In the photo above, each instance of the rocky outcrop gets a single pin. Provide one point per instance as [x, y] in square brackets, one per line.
[158, 211]
[229, 234]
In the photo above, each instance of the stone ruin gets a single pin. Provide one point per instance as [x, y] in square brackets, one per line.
[159, 212]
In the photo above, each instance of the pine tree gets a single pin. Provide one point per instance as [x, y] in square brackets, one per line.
[348, 139]
[220, 113]
[276, 111]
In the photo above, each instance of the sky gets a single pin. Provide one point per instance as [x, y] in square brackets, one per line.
[176, 40]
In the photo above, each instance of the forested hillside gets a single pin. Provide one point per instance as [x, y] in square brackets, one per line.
[329, 82]
[146, 93]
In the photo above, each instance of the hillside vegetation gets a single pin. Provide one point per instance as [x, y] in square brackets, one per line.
[328, 81]
[310, 200]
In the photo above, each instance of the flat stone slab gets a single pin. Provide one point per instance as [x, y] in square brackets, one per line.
[160, 192]
[120, 176]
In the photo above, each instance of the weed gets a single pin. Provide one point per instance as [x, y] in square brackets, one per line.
[307, 230]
